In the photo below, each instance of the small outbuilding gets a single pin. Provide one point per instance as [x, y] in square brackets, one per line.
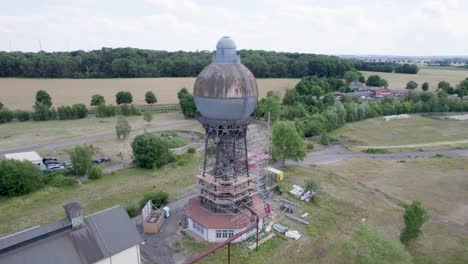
[31, 156]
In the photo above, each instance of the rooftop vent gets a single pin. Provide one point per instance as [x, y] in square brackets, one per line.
[74, 213]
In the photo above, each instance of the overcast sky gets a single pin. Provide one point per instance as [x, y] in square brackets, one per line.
[393, 27]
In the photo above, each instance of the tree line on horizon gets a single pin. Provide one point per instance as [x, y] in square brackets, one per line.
[132, 62]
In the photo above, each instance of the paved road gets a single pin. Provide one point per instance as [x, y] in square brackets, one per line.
[81, 140]
[337, 153]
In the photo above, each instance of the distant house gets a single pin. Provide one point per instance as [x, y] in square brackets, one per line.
[108, 236]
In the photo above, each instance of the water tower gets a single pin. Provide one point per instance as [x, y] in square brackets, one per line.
[226, 94]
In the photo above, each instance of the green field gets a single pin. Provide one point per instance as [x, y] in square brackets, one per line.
[414, 132]
[398, 81]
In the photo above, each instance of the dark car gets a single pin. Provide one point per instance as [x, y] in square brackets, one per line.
[49, 159]
[51, 162]
[101, 160]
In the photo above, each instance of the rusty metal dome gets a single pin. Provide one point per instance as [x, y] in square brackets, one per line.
[226, 89]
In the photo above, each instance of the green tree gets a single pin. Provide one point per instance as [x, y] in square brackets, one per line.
[6, 115]
[425, 86]
[328, 99]
[123, 97]
[150, 151]
[350, 76]
[373, 80]
[415, 216]
[148, 117]
[368, 245]
[411, 85]
[1, 105]
[383, 83]
[19, 177]
[286, 142]
[297, 110]
[81, 159]
[95, 172]
[272, 105]
[158, 198]
[44, 98]
[43, 112]
[150, 98]
[122, 128]
[97, 100]
[187, 103]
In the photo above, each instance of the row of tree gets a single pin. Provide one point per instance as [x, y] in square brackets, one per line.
[130, 62]
[386, 67]
[460, 90]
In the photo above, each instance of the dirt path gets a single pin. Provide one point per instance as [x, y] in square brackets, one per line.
[433, 144]
[337, 153]
[81, 140]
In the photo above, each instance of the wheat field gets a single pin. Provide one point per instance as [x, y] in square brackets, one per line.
[18, 93]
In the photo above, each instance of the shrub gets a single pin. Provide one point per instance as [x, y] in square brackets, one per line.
[158, 198]
[191, 150]
[310, 145]
[150, 151]
[81, 160]
[106, 110]
[148, 117]
[324, 140]
[95, 172]
[415, 216]
[97, 100]
[22, 115]
[132, 211]
[375, 151]
[6, 115]
[122, 128]
[44, 98]
[79, 110]
[127, 110]
[311, 185]
[19, 177]
[43, 112]
[187, 103]
[123, 97]
[61, 181]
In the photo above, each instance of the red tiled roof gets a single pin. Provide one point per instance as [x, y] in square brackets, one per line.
[212, 220]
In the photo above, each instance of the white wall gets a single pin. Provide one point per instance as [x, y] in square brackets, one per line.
[210, 234]
[128, 256]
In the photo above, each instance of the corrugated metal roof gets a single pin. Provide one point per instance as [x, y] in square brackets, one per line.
[29, 156]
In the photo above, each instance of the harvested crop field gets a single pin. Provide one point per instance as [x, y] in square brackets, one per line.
[398, 81]
[19, 93]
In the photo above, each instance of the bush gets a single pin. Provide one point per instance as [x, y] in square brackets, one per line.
[19, 177]
[97, 100]
[158, 198]
[310, 145]
[324, 140]
[61, 181]
[22, 115]
[187, 103]
[123, 97]
[415, 216]
[43, 112]
[81, 160]
[148, 117]
[106, 110]
[95, 172]
[6, 115]
[375, 151]
[128, 110]
[122, 128]
[132, 211]
[311, 185]
[150, 151]
[191, 150]
[44, 98]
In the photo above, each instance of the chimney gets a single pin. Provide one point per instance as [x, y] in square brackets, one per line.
[75, 214]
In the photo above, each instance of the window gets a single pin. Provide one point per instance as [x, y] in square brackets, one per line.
[200, 229]
[224, 233]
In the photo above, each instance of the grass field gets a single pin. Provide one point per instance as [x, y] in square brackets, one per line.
[398, 81]
[50, 131]
[19, 93]
[414, 132]
[439, 183]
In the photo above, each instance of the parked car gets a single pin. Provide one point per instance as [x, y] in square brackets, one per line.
[101, 160]
[67, 165]
[51, 162]
[55, 167]
[48, 159]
